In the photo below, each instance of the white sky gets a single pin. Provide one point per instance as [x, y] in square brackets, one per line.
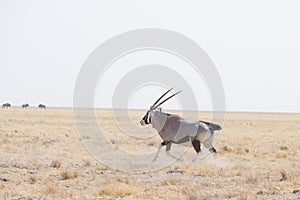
[255, 46]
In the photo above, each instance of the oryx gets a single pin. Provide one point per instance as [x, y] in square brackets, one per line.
[25, 105]
[41, 106]
[6, 105]
[175, 129]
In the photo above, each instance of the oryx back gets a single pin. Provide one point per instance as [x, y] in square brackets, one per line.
[174, 128]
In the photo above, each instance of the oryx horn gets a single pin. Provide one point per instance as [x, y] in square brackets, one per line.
[153, 106]
[156, 106]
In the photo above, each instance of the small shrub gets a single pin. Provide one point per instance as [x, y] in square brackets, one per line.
[32, 179]
[284, 175]
[227, 148]
[65, 175]
[49, 189]
[281, 155]
[87, 163]
[114, 141]
[56, 164]
[284, 148]
[123, 180]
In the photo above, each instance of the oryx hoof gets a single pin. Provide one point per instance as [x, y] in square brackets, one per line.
[213, 150]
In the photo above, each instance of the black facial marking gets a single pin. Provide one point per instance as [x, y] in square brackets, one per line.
[147, 118]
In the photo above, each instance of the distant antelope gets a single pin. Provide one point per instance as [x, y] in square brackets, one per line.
[25, 105]
[175, 129]
[41, 106]
[6, 105]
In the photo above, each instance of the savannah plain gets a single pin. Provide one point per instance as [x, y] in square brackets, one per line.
[43, 157]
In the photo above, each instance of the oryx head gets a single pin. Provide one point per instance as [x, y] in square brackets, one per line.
[147, 118]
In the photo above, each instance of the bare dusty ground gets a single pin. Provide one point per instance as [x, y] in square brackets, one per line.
[42, 157]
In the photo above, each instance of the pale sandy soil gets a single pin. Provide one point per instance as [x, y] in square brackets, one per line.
[42, 157]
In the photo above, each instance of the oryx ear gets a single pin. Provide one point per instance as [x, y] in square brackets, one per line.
[159, 109]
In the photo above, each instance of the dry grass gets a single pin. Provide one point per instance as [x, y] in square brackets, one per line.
[247, 150]
[87, 163]
[48, 190]
[122, 180]
[42, 156]
[283, 148]
[171, 181]
[117, 189]
[5, 141]
[193, 193]
[227, 148]
[284, 175]
[32, 179]
[205, 170]
[282, 155]
[252, 179]
[55, 164]
[65, 175]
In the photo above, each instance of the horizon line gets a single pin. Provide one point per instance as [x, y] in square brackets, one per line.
[140, 109]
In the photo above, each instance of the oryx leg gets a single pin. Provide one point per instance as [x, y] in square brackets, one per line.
[197, 146]
[156, 155]
[208, 144]
[168, 148]
[164, 143]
